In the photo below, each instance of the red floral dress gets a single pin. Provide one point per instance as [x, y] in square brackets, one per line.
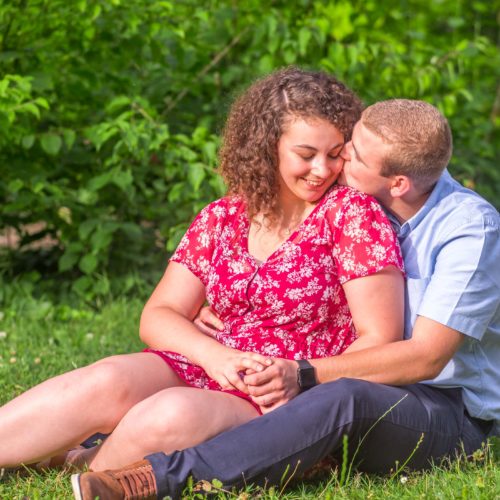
[292, 305]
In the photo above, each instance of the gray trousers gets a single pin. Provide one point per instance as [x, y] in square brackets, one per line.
[387, 425]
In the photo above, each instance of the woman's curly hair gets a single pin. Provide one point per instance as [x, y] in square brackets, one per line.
[258, 118]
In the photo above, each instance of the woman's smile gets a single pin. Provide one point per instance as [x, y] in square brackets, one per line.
[309, 159]
[313, 183]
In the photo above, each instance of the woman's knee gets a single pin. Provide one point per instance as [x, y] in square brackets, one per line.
[106, 385]
[108, 375]
[160, 419]
[169, 409]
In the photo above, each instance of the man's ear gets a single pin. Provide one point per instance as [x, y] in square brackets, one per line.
[400, 185]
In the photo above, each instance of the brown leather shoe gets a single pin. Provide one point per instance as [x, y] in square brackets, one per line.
[134, 482]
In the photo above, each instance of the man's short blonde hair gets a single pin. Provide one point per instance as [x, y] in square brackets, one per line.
[420, 137]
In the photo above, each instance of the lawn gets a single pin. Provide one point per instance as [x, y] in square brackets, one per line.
[38, 339]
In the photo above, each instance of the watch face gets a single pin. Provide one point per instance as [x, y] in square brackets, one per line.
[306, 377]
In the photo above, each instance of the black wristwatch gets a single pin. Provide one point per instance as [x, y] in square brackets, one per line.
[306, 377]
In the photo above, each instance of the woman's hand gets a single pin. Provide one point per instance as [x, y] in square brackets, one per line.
[208, 322]
[227, 366]
[274, 386]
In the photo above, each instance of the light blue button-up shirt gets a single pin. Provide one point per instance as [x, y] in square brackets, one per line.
[451, 249]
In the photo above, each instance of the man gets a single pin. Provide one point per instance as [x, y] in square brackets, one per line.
[429, 396]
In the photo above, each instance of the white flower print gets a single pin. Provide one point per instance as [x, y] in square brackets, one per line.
[291, 305]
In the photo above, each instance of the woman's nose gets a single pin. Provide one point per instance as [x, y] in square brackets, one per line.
[321, 168]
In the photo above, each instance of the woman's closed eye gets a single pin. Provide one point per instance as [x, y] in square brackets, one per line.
[306, 157]
[331, 156]
[334, 156]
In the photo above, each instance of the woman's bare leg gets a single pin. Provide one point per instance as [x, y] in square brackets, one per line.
[170, 420]
[62, 411]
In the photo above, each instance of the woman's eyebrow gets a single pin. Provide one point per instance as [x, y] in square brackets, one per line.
[307, 146]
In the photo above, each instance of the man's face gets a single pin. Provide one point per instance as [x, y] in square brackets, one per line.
[364, 155]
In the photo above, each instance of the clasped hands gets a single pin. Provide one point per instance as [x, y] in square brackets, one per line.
[270, 382]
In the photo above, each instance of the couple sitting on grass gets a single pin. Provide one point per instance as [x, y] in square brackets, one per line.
[315, 331]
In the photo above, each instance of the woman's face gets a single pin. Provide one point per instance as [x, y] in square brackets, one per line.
[309, 159]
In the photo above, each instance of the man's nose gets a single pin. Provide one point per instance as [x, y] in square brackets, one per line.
[346, 151]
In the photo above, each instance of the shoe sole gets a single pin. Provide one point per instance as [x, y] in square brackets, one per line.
[75, 483]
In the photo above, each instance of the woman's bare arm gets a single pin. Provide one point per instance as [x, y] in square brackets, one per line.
[167, 324]
[376, 303]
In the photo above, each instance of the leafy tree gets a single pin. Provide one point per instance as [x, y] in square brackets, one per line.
[110, 110]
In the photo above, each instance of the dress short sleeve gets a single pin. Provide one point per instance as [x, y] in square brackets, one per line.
[196, 248]
[366, 241]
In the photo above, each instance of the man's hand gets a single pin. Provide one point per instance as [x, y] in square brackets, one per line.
[274, 386]
[208, 322]
[227, 366]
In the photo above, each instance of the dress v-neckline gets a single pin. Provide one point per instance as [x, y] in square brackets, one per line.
[284, 243]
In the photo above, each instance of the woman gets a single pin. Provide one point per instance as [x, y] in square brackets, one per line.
[295, 268]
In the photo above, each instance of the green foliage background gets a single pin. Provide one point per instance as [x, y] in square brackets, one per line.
[110, 112]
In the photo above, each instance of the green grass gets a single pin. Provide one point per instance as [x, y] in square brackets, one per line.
[38, 340]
